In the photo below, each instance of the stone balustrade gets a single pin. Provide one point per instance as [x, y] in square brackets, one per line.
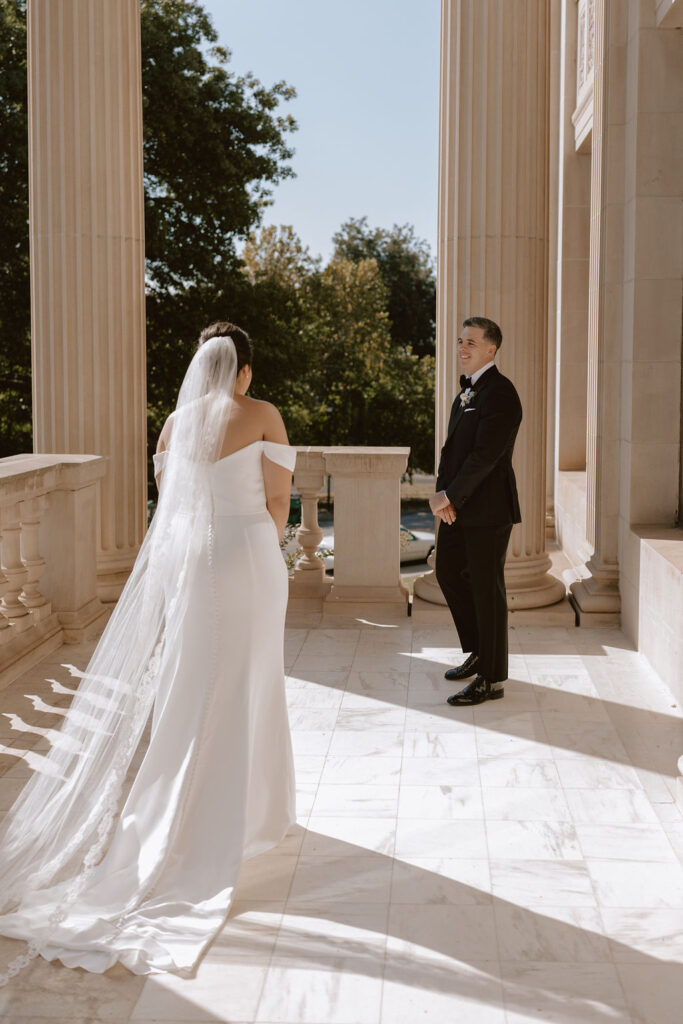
[49, 544]
[367, 521]
[48, 555]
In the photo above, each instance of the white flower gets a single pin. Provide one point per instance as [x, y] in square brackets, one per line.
[467, 396]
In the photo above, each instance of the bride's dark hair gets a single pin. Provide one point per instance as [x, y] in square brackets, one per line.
[240, 338]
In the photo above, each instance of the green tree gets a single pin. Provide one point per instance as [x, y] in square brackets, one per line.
[368, 390]
[15, 345]
[407, 270]
[215, 144]
[349, 327]
[276, 308]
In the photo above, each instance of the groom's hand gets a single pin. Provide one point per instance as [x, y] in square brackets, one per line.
[442, 507]
[447, 514]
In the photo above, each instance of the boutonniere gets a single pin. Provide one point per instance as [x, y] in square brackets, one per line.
[467, 396]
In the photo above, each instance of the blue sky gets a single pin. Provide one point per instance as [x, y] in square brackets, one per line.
[366, 73]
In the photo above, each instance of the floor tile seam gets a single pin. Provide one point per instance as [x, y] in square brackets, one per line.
[395, 837]
[599, 907]
[502, 994]
[606, 704]
[267, 965]
[677, 856]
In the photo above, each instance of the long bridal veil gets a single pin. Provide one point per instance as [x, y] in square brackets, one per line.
[57, 831]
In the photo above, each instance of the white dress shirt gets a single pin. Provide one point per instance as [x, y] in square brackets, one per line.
[481, 371]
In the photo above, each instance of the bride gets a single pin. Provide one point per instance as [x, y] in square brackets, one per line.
[107, 856]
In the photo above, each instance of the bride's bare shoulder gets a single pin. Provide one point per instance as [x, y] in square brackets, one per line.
[267, 417]
[165, 433]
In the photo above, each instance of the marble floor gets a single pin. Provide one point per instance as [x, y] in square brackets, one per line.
[516, 862]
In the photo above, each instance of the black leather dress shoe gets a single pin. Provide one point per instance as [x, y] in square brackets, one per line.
[464, 671]
[477, 692]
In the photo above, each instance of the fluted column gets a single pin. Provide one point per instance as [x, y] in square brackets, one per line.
[493, 244]
[87, 255]
[599, 591]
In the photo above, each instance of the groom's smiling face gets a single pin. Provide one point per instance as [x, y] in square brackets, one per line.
[474, 350]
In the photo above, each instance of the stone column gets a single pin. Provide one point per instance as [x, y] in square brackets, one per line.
[87, 255]
[572, 253]
[493, 244]
[599, 591]
[554, 118]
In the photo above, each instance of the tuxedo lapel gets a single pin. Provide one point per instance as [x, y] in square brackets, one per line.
[455, 417]
[481, 384]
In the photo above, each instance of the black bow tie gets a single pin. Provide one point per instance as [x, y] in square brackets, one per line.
[465, 382]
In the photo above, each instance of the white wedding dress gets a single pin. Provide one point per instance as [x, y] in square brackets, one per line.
[216, 783]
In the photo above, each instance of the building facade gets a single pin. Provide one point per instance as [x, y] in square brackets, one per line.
[561, 167]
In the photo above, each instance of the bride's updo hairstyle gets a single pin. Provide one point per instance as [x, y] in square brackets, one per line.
[240, 339]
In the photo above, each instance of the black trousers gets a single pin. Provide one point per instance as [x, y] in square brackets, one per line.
[469, 567]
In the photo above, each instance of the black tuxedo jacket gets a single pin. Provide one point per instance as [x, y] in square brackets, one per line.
[475, 469]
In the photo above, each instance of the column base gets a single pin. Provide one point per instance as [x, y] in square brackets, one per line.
[530, 583]
[427, 589]
[599, 591]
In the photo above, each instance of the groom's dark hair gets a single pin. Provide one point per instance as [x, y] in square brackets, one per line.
[224, 329]
[491, 329]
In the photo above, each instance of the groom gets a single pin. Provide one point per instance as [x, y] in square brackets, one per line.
[477, 504]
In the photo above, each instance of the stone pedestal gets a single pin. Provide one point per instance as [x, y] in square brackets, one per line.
[87, 256]
[367, 523]
[493, 238]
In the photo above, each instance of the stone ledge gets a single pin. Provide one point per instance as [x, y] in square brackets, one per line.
[24, 651]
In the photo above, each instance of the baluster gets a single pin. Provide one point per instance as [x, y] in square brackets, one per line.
[14, 570]
[5, 632]
[309, 584]
[31, 511]
[309, 533]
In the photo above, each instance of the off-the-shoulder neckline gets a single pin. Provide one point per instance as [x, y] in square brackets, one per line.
[237, 451]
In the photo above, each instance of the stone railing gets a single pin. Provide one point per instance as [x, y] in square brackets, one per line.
[48, 545]
[367, 520]
[48, 551]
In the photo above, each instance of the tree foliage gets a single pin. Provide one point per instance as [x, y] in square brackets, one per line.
[15, 343]
[406, 267]
[214, 147]
[325, 353]
[344, 350]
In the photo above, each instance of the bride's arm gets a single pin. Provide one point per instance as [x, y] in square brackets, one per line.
[162, 445]
[277, 479]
